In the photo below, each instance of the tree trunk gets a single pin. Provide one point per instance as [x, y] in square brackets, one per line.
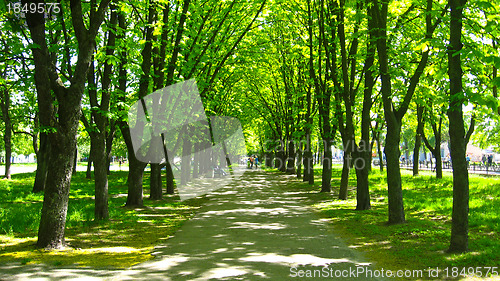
[110, 136]
[64, 118]
[42, 162]
[290, 164]
[135, 171]
[299, 162]
[439, 163]
[56, 196]
[416, 154]
[7, 137]
[8, 149]
[170, 178]
[395, 192]
[155, 182]
[88, 174]
[418, 139]
[101, 178]
[186, 160]
[344, 180]
[362, 184]
[460, 215]
[380, 154]
[326, 176]
[362, 162]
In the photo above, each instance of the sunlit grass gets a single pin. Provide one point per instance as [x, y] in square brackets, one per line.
[127, 238]
[422, 241]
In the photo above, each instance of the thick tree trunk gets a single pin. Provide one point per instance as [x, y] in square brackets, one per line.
[135, 171]
[326, 176]
[395, 192]
[344, 180]
[155, 182]
[459, 241]
[56, 196]
[362, 184]
[170, 178]
[42, 162]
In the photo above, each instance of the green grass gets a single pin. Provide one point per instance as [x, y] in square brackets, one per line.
[127, 238]
[422, 241]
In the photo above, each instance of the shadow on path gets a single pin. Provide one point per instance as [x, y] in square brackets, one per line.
[259, 227]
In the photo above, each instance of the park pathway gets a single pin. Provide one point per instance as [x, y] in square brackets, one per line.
[258, 228]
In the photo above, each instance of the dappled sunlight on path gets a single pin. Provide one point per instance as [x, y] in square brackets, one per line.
[259, 227]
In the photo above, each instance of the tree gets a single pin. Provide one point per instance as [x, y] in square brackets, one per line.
[459, 241]
[394, 114]
[99, 128]
[63, 117]
[7, 137]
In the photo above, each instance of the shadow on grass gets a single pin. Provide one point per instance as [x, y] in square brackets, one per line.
[127, 238]
[421, 242]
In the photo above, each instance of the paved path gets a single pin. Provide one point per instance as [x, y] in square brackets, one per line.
[259, 228]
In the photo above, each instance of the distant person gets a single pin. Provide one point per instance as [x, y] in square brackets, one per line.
[490, 160]
[251, 162]
[256, 162]
[468, 160]
[484, 159]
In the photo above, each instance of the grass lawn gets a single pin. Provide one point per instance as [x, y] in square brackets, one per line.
[126, 239]
[422, 241]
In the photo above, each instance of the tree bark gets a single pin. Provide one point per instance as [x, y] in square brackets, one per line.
[459, 240]
[395, 192]
[290, 164]
[156, 192]
[326, 176]
[7, 137]
[42, 161]
[344, 180]
[418, 139]
[135, 171]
